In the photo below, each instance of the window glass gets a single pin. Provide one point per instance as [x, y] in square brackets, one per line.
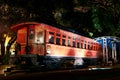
[82, 46]
[31, 35]
[85, 45]
[88, 45]
[73, 43]
[68, 41]
[63, 42]
[78, 44]
[58, 41]
[40, 37]
[51, 39]
[51, 33]
[64, 36]
[58, 35]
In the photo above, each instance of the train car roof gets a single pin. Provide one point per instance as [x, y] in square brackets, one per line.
[19, 26]
[117, 39]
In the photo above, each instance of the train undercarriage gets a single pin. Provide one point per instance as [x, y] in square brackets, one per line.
[36, 62]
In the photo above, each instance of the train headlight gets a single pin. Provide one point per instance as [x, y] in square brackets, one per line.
[48, 50]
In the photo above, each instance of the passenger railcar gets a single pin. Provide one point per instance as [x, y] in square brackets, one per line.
[111, 49]
[53, 47]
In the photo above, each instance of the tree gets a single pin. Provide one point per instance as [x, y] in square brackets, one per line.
[105, 16]
[2, 39]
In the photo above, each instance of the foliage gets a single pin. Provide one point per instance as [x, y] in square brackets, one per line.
[105, 16]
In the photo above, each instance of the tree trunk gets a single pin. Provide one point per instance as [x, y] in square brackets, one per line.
[12, 40]
[2, 42]
[2, 49]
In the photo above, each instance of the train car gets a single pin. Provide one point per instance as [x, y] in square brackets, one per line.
[47, 45]
[111, 49]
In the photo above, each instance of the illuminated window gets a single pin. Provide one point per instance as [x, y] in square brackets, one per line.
[51, 37]
[69, 41]
[40, 37]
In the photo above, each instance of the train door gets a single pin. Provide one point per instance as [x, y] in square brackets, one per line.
[21, 40]
[40, 41]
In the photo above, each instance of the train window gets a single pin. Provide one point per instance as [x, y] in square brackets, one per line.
[40, 37]
[85, 46]
[89, 45]
[82, 46]
[74, 38]
[58, 35]
[51, 39]
[51, 33]
[58, 41]
[78, 44]
[63, 42]
[64, 36]
[74, 44]
[69, 42]
[31, 35]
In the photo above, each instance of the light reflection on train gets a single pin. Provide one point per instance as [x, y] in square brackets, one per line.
[42, 44]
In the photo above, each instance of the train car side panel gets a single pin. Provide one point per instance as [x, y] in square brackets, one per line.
[63, 51]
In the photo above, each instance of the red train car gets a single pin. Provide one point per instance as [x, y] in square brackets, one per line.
[55, 47]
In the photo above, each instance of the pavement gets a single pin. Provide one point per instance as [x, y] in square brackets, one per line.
[77, 74]
[92, 70]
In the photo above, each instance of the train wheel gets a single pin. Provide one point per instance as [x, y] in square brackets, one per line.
[53, 64]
